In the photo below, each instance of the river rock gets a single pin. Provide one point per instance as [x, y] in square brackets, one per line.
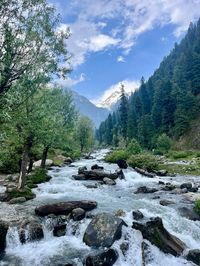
[109, 181]
[103, 230]
[120, 174]
[91, 185]
[137, 215]
[145, 189]
[17, 200]
[59, 230]
[47, 163]
[103, 258]
[79, 177]
[192, 196]
[169, 187]
[95, 175]
[189, 213]
[34, 231]
[124, 247]
[65, 207]
[194, 256]
[3, 232]
[96, 167]
[166, 202]
[82, 169]
[68, 160]
[186, 185]
[78, 214]
[122, 164]
[154, 231]
[161, 172]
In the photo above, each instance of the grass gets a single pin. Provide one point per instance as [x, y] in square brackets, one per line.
[197, 207]
[25, 192]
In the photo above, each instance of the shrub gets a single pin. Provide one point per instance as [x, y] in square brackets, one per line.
[163, 144]
[179, 154]
[39, 176]
[25, 192]
[114, 156]
[134, 147]
[145, 161]
[197, 207]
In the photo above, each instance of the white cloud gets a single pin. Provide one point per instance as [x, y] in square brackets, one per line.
[93, 29]
[121, 59]
[69, 82]
[111, 95]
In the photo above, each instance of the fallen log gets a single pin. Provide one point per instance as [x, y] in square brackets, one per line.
[144, 172]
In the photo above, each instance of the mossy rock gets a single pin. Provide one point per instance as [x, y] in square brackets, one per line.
[25, 192]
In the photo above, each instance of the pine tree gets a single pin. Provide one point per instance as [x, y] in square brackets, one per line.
[123, 112]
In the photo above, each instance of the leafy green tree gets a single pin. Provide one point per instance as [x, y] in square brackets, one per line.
[163, 144]
[85, 133]
[31, 47]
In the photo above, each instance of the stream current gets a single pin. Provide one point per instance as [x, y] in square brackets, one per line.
[70, 248]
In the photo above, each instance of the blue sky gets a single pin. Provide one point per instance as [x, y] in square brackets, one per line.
[115, 41]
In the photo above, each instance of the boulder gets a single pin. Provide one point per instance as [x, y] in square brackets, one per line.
[68, 160]
[154, 231]
[137, 215]
[124, 247]
[189, 213]
[95, 174]
[47, 163]
[161, 172]
[120, 212]
[161, 183]
[186, 185]
[79, 177]
[169, 187]
[193, 189]
[59, 230]
[34, 231]
[145, 189]
[17, 200]
[103, 258]
[78, 214]
[109, 181]
[97, 167]
[103, 230]
[91, 185]
[3, 232]
[144, 172]
[194, 256]
[122, 164]
[166, 202]
[120, 174]
[65, 207]
[82, 169]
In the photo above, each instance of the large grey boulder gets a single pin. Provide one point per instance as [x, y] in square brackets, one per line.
[30, 230]
[65, 207]
[3, 232]
[194, 256]
[103, 258]
[103, 230]
[154, 231]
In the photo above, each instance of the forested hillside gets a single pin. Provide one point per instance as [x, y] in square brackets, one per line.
[167, 103]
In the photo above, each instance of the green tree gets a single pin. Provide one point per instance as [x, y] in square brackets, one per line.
[85, 133]
[123, 112]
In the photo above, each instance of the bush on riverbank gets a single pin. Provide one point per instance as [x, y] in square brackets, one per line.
[145, 161]
[116, 155]
[25, 192]
[38, 176]
[197, 207]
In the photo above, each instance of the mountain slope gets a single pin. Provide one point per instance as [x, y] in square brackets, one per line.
[85, 107]
[167, 103]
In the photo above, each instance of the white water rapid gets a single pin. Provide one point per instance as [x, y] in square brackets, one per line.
[70, 248]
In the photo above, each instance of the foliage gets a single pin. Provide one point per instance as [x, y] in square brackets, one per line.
[25, 192]
[178, 154]
[134, 147]
[116, 155]
[38, 176]
[145, 161]
[163, 144]
[84, 133]
[197, 207]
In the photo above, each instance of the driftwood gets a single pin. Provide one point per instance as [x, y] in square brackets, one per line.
[144, 172]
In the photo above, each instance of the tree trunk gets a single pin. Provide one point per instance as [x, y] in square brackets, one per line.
[30, 167]
[24, 163]
[44, 157]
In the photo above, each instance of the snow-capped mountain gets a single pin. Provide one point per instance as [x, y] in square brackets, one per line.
[111, 97]
[87, 108]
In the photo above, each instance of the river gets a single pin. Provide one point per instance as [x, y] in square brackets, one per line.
[70, 248]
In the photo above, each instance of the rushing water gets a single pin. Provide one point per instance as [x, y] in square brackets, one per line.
[70, 248]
